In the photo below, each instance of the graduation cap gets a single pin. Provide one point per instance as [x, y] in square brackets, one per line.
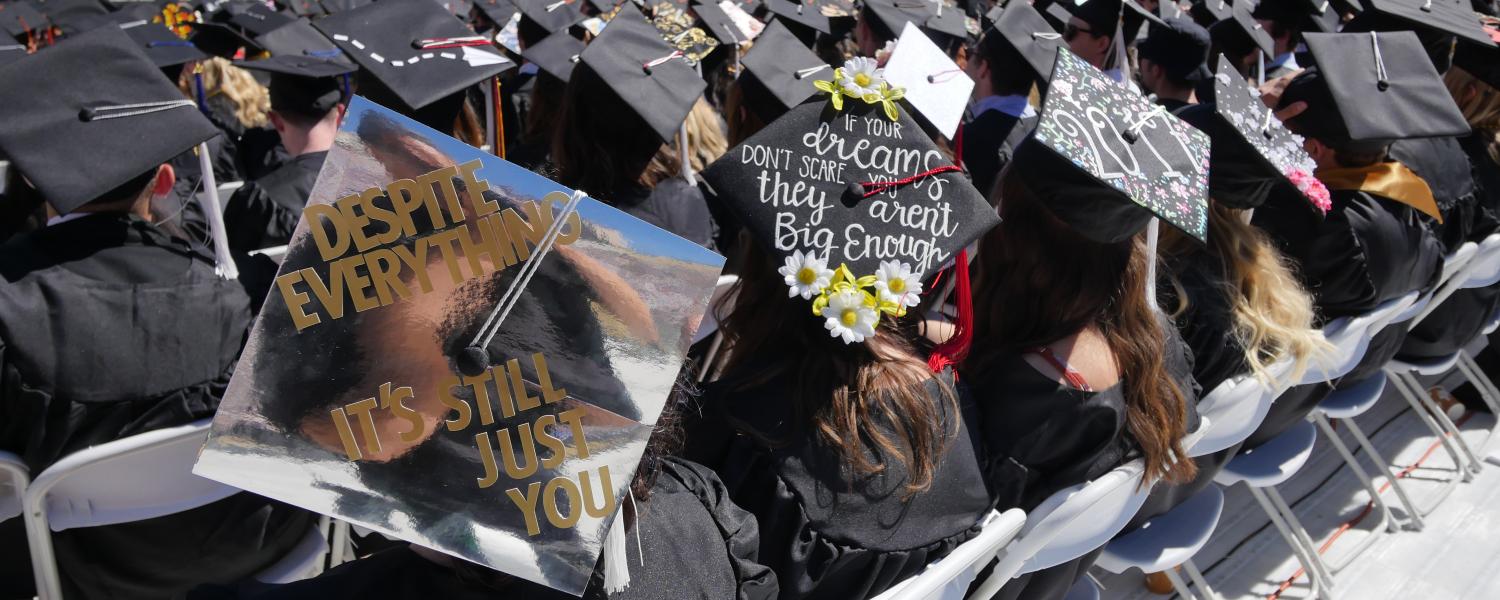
[162, 46]
[1056, 16]
[338, 6]
[221, 40]
[1440, 16]
[647, 74]
[1241, 33]
[1209, 12]
[1108, 176]
[1304, 15]
[1102, 16]
[1169, 9]
[251, 19]
[719, 24]
[556, 54]
[786, 69]
[10, 53]
[799, 13]
[74, 16]
[866, 165]
[680, 31]
[1252, 151]
[1480, 60]
[1180, 46]
[416, 49]
[936, 87]
[550, 15]
[1133, 20]
[307, 85]
[304, 8]
[1372, 87]
[18, 19]
[1026, 32]
[300, 38]
[75, 142]
[499, 11]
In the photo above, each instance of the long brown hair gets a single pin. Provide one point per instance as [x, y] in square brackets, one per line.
[857, 397]
[602, 147]
[1039, 281]
[1273, 315]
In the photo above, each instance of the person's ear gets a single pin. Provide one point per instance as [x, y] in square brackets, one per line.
[165, 178]
[342, 109]
[277, 122]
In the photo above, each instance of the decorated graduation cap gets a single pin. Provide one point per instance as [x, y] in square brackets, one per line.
[415, 49]
[1026, 32]
[556, 54]
[162, 46]
[1372, 87]
[783, 68]
[76, 143]
[647, 74]
[803, 14]
[1440, 16]
[19, 20]
[1252, 151]
[831, 225]
[1240, 33]
[1105, 160]
[681, 31]
[732, 30]
[936, 87]
[551, 15]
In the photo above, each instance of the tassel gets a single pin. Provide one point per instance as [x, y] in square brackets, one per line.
[616, 559]
[215, 212]
[198, 88]
[956, 348]
[958, 146]
[497, 116]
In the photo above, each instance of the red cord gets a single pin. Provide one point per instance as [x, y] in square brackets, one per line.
[452, 44]
[1369, 508]
[956, 348]
[876, 187]
[958, 147]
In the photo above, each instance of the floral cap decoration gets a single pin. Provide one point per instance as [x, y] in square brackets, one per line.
[862, 78]
[1257, 148]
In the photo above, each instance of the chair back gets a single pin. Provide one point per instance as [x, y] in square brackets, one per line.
[949, 577]
[1482, 269]
[1351, 338]
[14, 476]
[1230, 412]
[1071, 523]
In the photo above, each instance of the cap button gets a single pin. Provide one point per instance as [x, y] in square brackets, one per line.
[1382, 85]
[473, 360]
[86, 114]
[854, 191]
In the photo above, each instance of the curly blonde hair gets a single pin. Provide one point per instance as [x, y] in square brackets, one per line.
[1273, 314]
[705, 133]
[1480, 104]
[252, 101]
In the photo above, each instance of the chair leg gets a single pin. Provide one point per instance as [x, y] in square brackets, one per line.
[1179, 585]
[1199, 581]
[1413, 399]
[1296, 526]
[1308, 562]
[1443, 420]
[1359, 473]
[43, 559]
[1482, 382]
[1413, 515]
[340, 544]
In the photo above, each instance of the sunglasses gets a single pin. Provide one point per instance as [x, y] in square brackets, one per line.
[1072, 31]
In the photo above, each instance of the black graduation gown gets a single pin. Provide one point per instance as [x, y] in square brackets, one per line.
[108, 328]
[824, 535]
[672, 205]
[697, 544]
[1366, 250]
[1041, 436]
[1442, 163]
[988, 141]
[263, 213]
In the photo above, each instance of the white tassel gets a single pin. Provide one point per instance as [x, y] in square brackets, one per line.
[616, 571]
[215, 212]
[1151, 234]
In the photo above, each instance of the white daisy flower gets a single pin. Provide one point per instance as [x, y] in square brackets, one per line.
[861, 77]
[805, 274]
[850, 315]
[897, 284]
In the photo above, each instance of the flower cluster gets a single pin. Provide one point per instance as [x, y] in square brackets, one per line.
[1309, 185]
[862, 78]
[851, 306]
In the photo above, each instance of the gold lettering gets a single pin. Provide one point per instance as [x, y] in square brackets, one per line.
[354, 216]
[348, 270]
[476, 188]
[549, 503]
[502, 389]
[527, 504]
[444, 179]
[329, 249]
[416, 260]
[544, 377]
[523, 231]
[361, 410]
[390, 399]
[574, 419]
[407, 196]
[385, 275]
[346, 435]
[606, 491]
[482, 397]
[296, 301]
[524, 400]
[330, 296]
[558, 451]
[443, 242]
[508, 451]
[487, 456]
[458, 405]
[574, 227]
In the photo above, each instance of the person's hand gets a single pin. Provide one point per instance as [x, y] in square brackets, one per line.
[1270, 91]
[1292, 110]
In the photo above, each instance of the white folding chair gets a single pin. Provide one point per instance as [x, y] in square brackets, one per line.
[1350, 337]
[140, 477]
[710, 325]
[1070, 524]
[226, 189]
[14, 476]
[949, 577]
[1233, 410]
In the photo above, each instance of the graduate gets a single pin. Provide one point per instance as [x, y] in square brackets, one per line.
[101, 280]
[1010, 59]
[553, 59]
[1173, 59]
[308, 96]
[1372, 246]
[828, 423]
[1073, 369]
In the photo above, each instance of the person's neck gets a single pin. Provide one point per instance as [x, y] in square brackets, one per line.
[1184, 94]
[317, 139]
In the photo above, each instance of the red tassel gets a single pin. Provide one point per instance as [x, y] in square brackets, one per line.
[958, 147]
[956, 348]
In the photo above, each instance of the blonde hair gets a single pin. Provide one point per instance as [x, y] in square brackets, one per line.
[251, 99]
[1273, 314]
[1480, 104]
[705, 133]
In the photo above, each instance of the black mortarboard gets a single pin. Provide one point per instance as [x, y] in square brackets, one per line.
[17, 18]
[338, 6]
[835, 210]
[1180, 46]
[1241, 33]
[76, 142]
[73, 16]
[786, 69]
[947, 20]
[1304, 15]
[556, 54]
[416, 49]
[300, 38]
[800, 13]
[1209, 12]
[221, 40]
[1102, 16]
[551, 15]
[1133, 20]
[301, 84]
[893, 15]
[647, 74]
[304, 8]
[458, 8]
[10, 53]
[1445, 16]
[252, 19]
[499, 11]
[1481, 61]
[1107, 179]
[1372, 87]
[1056, 16]
[718, 23]
[162, 46]
[1252, 151]
[1024, 29]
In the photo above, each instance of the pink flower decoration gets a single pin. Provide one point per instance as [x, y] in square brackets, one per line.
[1315, 191]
